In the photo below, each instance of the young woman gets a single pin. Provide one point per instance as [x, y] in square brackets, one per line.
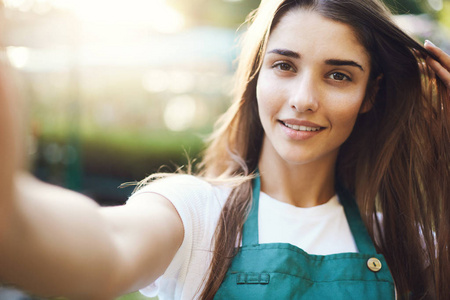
[332, 100]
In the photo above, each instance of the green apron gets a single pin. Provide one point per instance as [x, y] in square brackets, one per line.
[284, 271]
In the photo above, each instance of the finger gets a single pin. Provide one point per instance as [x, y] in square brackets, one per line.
[443, 57]
[440, 71]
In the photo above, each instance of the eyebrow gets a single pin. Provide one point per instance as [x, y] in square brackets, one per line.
[340, 62]
[332, 62]
[285, 52]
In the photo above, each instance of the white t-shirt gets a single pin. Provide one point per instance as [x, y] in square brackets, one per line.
[319, 230]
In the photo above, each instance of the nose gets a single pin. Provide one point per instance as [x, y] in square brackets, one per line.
[304, 94]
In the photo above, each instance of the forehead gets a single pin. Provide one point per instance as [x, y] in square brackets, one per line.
[307, 32]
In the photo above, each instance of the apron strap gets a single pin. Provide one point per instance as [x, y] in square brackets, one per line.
[362, 239]
[250, 229]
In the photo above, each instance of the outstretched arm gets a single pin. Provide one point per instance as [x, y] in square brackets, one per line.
[441, 69]
[54, 242]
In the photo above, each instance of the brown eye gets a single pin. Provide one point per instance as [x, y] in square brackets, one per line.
[283, 66]
[339, 76]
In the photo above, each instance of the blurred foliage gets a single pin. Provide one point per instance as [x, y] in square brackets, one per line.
[108, 159]
[444, 14]
[215, 12]
[406, 6]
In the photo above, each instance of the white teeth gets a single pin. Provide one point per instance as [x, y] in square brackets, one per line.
[302, 128]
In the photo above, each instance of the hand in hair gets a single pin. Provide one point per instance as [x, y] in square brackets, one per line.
[441, 68]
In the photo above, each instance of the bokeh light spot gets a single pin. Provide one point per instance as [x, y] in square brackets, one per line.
[179, 113]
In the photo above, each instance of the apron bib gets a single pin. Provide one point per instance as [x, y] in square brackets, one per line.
[284, 271]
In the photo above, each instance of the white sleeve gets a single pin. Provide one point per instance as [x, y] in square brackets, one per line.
[198, 206]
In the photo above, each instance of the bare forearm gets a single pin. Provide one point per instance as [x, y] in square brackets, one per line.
[54, 243]
[60, 243]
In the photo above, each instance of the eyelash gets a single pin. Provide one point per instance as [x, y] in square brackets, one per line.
[278, 65]
[346, 78]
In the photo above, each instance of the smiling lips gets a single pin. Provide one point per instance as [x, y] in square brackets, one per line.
[300, 130]
[301, 125]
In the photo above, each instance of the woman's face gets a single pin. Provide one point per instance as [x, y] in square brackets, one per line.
[310, 87]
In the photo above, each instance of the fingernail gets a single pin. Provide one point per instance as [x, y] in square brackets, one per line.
[429, 42]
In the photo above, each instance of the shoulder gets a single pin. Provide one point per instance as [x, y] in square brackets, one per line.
[180, 186]
[196, 200]
[174, 180]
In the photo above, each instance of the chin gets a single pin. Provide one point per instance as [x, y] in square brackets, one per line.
[298, 158]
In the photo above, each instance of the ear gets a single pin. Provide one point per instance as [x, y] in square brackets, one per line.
[371, 93]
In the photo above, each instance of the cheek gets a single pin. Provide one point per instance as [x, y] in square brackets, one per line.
[344, 113]
[263, 100]
[269, 99]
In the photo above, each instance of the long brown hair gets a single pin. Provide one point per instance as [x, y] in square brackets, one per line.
[396, 161]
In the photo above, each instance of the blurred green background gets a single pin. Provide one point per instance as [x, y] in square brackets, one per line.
[115, 89]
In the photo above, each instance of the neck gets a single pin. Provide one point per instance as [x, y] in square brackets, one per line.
[300, 184]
